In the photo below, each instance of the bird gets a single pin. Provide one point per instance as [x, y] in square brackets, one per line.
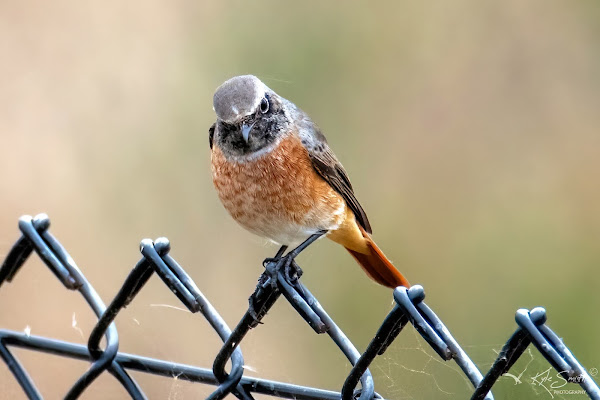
[276, 175]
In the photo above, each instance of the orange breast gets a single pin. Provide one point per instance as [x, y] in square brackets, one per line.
[278, 195]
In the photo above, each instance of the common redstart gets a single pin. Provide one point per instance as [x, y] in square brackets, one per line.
[278, 178]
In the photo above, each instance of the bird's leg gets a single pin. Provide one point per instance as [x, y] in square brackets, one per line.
[292, 271]
[294, 253]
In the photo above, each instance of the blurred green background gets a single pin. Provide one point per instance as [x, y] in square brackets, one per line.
[470, 131]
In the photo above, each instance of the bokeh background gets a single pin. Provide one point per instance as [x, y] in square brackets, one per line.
[470, 131]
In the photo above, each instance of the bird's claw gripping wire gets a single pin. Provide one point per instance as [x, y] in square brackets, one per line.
[292, 271]
[280, 271]
[268, 283]
[277, 257]
[286, 264]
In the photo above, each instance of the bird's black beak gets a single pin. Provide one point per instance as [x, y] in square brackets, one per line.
[246, 128]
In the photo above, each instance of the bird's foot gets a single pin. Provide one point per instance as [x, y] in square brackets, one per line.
[268, 280]
[292, 271]
[270, 260]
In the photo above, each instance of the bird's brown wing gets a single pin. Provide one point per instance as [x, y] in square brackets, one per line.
[329, 168]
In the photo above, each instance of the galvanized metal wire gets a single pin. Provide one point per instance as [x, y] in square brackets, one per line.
[410, 309]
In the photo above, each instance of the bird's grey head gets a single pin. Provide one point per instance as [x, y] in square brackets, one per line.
[238, 97]
[250, 116]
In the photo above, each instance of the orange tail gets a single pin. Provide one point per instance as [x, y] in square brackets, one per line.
[377, 266]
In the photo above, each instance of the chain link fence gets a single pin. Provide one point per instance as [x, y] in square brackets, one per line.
[409, 308]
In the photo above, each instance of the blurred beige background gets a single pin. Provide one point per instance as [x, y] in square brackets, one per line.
[470, 131]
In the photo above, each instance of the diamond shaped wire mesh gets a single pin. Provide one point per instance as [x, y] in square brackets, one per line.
[410, 309]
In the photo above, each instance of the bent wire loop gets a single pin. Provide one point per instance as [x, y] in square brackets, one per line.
[35, 236]
[156, 259]
[274, 282]
[533, 329]
[411, 308]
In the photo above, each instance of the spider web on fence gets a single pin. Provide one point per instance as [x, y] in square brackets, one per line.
[550, 370]
[414, 372]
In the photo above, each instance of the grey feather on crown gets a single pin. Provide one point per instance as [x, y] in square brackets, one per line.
[238, 97]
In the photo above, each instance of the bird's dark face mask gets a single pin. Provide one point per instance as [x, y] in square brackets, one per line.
[253, 132]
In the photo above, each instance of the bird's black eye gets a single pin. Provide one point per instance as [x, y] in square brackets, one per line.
[264, 105]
